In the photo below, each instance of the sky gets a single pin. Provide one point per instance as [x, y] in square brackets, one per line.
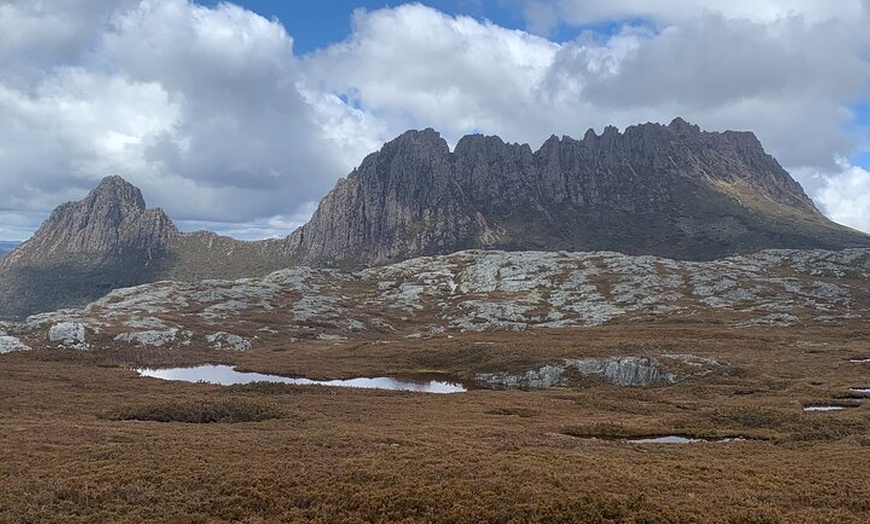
[239, 117]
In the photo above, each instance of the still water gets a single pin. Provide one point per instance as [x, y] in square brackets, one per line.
[227, 375]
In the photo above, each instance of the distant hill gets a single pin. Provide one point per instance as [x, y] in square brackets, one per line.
[672, 191]
[7, 246]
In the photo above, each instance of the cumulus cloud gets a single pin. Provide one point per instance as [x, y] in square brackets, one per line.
[213, 115]
[844, 195]
[200, 107]
[788, 79]
[414, 66]
[680, 11]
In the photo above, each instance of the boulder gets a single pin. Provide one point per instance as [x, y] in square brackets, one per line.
[9, 344]
[224, 340]
[70, 334]
[149, 338]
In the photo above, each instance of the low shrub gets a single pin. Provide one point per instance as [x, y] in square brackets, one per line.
[193, 412]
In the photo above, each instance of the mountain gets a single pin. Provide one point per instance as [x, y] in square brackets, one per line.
[670, 190]
[110, 240]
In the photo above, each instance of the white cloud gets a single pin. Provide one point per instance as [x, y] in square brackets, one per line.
[845, 194]
[679, 11]
[789, 80]
[413, 66]
[202, 108]
[212, 114]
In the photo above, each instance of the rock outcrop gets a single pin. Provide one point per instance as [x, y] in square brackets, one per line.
[10, 343]
[622, 371]
[71, 334]
[476, 291]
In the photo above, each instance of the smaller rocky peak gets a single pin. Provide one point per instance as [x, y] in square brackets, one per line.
[115, 190]
[551, 142]
[680, 126]
[550, 148]
[111, 221]
[610, 131]
[427, 142]
[478, 144]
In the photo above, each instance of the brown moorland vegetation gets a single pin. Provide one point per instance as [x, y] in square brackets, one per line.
[84, 439]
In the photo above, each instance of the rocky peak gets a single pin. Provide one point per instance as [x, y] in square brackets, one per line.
[110, 222]
[425, 143]
[115, 192]
[678, 125]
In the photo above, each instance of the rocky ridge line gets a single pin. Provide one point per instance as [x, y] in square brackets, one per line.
[474, 291]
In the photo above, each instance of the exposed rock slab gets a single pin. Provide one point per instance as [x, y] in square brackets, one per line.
[67, 334]
[9, 343]
[622, 371]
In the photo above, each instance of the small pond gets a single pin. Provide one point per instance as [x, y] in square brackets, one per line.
[227, 375]
[679, 439]
[824, 408]
[860, 360]
[666, 439]
[860, 390]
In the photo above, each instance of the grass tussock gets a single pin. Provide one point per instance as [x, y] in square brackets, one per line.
[512, 411]
[355, 455]
[193, 412]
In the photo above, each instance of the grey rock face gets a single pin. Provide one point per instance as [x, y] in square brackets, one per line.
[622, 371]
[625, 371]
[155, 338]
[67, 333]
[224, 340]
[10, 343]
[111, 221]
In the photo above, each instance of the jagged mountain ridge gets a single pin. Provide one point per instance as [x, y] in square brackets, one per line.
[663, 190]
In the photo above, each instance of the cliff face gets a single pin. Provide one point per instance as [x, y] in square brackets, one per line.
[664, 190]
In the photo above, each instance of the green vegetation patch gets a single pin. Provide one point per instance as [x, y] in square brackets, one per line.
[197, 412]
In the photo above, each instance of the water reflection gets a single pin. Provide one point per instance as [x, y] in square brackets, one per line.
[824, 408]
[227, 375]
[667, 439]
